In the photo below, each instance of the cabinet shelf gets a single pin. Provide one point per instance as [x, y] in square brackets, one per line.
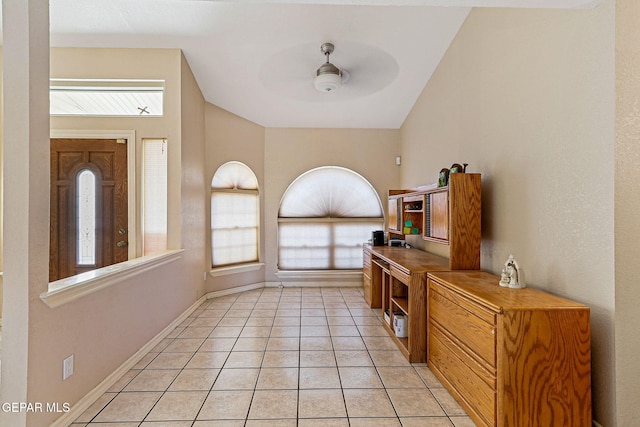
[402, 303]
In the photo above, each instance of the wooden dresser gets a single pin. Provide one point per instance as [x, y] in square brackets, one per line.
[395, 279]
[510, 357]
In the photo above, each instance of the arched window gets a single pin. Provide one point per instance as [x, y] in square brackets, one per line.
[235, 215]
[325, 216]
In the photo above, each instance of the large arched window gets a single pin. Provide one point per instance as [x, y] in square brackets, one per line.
[325, 216]
[235, 215]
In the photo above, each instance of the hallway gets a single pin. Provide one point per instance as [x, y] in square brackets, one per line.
[278, 357]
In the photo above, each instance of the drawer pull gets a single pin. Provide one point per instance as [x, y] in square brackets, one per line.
[493, 331]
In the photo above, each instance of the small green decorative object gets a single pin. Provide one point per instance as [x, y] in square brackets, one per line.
[443, 178]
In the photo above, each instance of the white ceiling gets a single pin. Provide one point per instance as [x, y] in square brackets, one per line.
[258, 58]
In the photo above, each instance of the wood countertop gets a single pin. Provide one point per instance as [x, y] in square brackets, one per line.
[410, 260]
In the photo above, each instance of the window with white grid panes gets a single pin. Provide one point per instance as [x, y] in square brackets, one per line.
[325, 216]
[235, 215]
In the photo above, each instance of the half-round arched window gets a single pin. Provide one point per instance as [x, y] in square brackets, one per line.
[325, 216]
[235, 215]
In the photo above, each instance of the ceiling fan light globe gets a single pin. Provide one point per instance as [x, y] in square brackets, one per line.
[326, 83]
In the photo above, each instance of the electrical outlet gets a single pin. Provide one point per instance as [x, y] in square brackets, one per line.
[67, 367]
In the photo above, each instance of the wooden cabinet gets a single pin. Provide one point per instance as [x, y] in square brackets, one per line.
[398, 278]
[510, 357]
[446, 215]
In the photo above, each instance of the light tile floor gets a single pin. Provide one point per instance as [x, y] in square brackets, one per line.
[278, 357]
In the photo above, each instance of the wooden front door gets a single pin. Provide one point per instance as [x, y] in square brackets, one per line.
[89, 224]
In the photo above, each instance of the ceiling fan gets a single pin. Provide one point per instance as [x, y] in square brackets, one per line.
[329, 77]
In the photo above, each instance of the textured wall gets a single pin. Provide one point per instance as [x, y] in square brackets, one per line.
[526, 97]
[627, 207]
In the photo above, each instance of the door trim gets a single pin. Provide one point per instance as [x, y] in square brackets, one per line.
[130, 136]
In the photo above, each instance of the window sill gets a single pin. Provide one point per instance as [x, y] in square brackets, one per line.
[72, 288]
[235, 269]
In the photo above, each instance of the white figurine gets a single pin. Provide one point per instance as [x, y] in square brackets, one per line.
[511, 275]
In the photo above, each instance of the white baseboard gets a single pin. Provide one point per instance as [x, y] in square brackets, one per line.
[596, 424]
[231, 291]
[83, 404]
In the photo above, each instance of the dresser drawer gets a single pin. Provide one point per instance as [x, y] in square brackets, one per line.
[472, 383]
[471, 324]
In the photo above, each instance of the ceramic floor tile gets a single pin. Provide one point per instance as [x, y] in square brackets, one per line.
[319, 378]
[233, 321]
[163, 424]
[220, 423]
[123, 380]
[388, 358]
[315, 343]
[283, 343]
[170, 361]
[337, 312]
[244, 359]
[162, 345]
[348, 343]
[313, 321]
[427, 422]
[227, 405]
[323, 422]
[96, 407]
[207, 360]
[250, 344]
[194, 379]
[196, 332]
[380, 343]
[133, 406]
[428, 377]
[366, 321]
[344, 331]
[218, 344]
[271, 423]
[145, 360]
[368, 403]
[340, 320]
[287, 312]
[260, 321]
[281, 359]
[372, 331]
[278, 378]
[270, 404]
[374, 422]
[184, 345]
[400, 377]
[462, 422]
[448, 403]
[236, 379]
[353, 358]
[321, 403]
[177, 405]
[204, 321]
[152, 380]
[411, 402]
[238, 313]
[359, 377]
[317, 359]
[287, 321]
[226, 332]
[263, 313]
[285, 331]
[317, 310]
[255, 331]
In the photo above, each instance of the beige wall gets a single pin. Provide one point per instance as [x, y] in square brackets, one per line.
[526, 97]
[290, 152]
[627, 206]
[97, 328]
[230, 137]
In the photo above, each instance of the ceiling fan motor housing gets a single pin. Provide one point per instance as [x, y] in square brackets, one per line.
[328, 76]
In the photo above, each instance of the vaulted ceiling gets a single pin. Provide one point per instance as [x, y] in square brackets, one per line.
[257, 59]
